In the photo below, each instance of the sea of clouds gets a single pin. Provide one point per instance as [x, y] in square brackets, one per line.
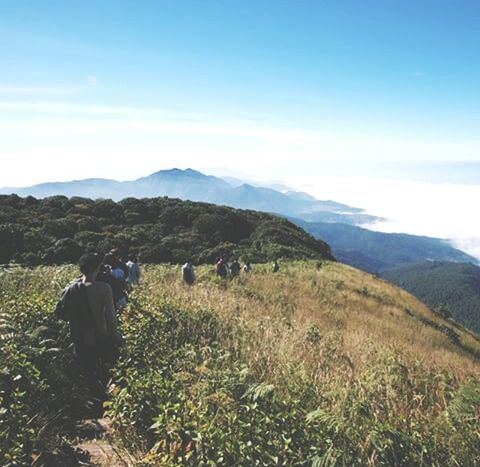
[444, 210]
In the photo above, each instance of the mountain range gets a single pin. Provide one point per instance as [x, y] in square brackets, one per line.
[195, 186]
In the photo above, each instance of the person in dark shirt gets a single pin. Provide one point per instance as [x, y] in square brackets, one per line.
[87, 304]
[235, 268]
[188, 273]
[221, 268]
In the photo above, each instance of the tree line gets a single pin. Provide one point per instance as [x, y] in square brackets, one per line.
[58, 230]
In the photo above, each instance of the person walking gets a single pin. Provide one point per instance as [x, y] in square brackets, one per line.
[221, 268]
[87, 304]
[235, 268]
[133, 272]
[188, 273]
[112, 274]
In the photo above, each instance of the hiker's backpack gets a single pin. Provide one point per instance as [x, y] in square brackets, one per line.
[222, 269]
[188, 275]
[74, 308]
[235, 268]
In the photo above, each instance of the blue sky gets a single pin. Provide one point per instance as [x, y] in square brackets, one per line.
[234, 84]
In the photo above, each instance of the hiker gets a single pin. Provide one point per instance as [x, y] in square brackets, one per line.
[235, 268]
[247, 267]
[221, 268]
[112, 273]
[188, 273]
[118, 262]
[87, 304]
[275, 266]
[133, 277]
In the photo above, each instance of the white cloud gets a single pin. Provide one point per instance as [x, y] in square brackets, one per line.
[47, 108]
[91, 80]
[437, 210]
[81, 119]
[38, 90]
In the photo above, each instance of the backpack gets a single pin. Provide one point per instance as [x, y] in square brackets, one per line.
[74, 308]
[118, 285]
[188, 275]
[222, 269]
[235, 268]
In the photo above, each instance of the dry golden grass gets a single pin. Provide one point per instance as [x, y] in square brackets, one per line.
[306, 309]
[318, 362]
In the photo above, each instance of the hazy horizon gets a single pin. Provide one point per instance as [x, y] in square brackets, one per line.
[420, 202]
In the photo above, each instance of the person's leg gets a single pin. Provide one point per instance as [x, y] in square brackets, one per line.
[88, 357]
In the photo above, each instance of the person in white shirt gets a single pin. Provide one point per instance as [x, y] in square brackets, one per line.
[133, 271]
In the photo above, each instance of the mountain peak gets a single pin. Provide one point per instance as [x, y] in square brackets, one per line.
[176, 172]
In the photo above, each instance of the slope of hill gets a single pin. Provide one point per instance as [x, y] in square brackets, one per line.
[319, 364]
[195, 186]
[377, 251]
[58, 230]
[453, 288]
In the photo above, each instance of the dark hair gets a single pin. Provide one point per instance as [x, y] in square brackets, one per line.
[115, 252]
[89, 263]
[109, 259]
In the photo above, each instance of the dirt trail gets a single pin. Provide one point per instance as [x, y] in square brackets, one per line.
[96, 444]
[102, 453]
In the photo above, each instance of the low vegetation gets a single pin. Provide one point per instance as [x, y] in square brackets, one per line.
[58, 230]
[319, 364]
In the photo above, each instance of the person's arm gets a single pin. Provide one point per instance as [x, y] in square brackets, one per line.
[61, 310]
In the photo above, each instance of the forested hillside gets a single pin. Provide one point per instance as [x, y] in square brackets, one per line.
[451, 288]
[58, 230]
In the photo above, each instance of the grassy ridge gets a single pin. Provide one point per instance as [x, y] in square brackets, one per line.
[317, 365]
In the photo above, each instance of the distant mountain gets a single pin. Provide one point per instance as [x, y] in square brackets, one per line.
[195, 186]
[377, 251]
[452, 288]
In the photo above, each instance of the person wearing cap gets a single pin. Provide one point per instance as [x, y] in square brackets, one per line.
[87, 304]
